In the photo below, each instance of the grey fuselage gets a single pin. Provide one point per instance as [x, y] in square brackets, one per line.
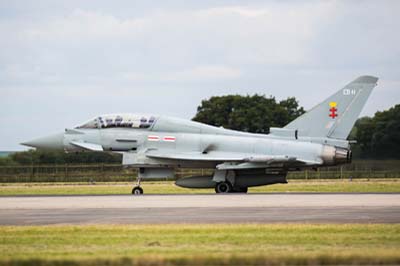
[192, 137]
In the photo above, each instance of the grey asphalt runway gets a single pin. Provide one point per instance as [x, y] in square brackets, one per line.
[232, 208]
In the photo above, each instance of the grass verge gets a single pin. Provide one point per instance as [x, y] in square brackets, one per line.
[168, 187]
[250, 244]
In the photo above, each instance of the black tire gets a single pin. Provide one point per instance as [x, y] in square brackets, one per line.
[137, 191]
[223, 187]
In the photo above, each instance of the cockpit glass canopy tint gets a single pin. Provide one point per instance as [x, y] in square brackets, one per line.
[120, 121]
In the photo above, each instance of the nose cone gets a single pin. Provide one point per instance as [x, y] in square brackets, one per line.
[52, 142]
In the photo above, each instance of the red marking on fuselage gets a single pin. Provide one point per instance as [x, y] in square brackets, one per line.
[153, 138]
[169, 138]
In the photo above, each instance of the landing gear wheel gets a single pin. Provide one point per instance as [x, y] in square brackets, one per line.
[223, 187]
[137, 191]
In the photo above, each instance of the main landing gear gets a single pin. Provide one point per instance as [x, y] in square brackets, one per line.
[226, 187]
[223, 187]
[137, 190]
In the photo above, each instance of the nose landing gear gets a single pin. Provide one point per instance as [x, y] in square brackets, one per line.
[137, 190]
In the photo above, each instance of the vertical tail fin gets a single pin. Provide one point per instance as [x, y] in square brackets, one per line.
[335, 117]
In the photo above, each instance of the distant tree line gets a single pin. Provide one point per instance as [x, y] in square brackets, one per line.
[255, 113]
[378, 137]
[59, 157]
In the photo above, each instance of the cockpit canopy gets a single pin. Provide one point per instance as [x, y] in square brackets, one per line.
[120, 121]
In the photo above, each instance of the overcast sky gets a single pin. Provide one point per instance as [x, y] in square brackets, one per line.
[63, 62]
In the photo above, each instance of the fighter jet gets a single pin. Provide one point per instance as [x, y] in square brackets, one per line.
[157, 145]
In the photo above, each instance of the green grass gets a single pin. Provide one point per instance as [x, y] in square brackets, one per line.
[257, 244]
[168, 187]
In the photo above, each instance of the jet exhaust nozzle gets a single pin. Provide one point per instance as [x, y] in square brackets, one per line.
[336, 155]
[343, 156]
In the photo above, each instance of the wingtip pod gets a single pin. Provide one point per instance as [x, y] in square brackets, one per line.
[366, 79]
